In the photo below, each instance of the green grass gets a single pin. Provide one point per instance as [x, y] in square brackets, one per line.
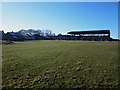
[58, 64]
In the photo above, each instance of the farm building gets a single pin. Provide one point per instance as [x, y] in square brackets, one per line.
[16, 36]
[11, 36]
[2, 35]
[31, 36]
[97, 35]
[26, 36]
[38, 37]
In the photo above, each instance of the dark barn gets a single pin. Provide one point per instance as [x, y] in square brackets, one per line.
[11, 36]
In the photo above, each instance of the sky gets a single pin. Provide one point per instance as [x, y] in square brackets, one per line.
[60, 17]
[60, 0]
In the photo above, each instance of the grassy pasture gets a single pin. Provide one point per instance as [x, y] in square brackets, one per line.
[55, 64]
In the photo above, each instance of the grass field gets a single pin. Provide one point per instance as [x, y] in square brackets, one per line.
[58, 64]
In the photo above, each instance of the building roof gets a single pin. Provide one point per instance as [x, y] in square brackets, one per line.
[90, 32]
[12, 33]
[15, 37]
